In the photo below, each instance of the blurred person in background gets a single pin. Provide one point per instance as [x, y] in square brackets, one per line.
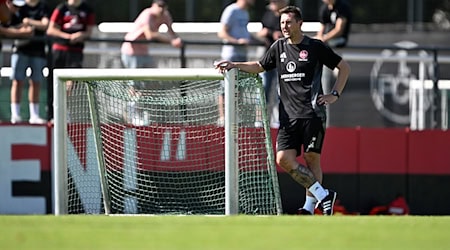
[441, 15]
[299, 60]
[5, 13]
[270, 32]
[234, 33]
[29, 53]
[136, 55]
[71, 24]
[146, 27]
[7, 10]
[335, 21]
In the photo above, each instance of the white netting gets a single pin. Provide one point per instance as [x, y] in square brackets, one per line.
[161, 149]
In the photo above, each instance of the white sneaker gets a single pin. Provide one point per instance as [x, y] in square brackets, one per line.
[16, 119]
[37, 120]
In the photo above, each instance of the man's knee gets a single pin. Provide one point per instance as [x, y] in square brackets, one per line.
[286, 160]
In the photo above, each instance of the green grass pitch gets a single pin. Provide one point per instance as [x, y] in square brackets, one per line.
[221, 232]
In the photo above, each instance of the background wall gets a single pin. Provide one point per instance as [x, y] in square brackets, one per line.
[370, 167]
[365, 12]
[367, 167]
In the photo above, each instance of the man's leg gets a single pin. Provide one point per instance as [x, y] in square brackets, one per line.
[16, 93]
[33, 97]
[312, 160]
[19, 66]
[301, 174]
[37, 65]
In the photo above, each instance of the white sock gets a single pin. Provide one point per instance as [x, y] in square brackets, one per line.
[318, 191]
[34, 110]
[15, 109]
[310, 204]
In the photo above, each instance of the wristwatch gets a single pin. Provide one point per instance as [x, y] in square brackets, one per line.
[335, 93]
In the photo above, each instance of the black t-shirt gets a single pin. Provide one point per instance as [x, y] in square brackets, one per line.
[271, 22]
[341, 9]
[28, 47]
[299, 68]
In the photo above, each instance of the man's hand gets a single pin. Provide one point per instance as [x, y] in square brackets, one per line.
[77, 37]
[26, 31]
[326, 99]
[223, 65]
[176, 42]
[243, 41]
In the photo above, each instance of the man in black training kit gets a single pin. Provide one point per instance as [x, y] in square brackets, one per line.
[299, 60]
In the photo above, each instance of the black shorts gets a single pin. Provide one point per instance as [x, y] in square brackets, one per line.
[307, 132]
[67, 59]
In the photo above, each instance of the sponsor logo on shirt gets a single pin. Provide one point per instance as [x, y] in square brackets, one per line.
[303, 56]
[291, 67]
[283, 57]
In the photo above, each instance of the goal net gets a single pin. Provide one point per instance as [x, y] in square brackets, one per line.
[148, 141]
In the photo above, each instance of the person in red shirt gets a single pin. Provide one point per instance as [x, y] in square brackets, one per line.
[71, 24]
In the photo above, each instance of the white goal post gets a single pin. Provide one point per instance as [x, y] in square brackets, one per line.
[105, 162]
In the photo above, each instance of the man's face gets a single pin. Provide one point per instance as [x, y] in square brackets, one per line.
[289, 25]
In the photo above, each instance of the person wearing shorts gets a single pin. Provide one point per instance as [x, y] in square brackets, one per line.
[29, 54]
[71, 24]
[146, 27]
[299, 60]
[269, 33]
[136, 54]
[236, 36]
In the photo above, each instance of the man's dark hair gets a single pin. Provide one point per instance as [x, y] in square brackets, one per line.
[294, 10]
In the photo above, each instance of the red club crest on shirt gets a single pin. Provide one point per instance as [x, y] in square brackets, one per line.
[303, 54]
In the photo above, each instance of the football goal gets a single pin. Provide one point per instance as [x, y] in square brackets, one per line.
[148, 141]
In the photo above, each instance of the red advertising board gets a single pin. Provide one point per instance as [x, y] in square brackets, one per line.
[26, 156]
